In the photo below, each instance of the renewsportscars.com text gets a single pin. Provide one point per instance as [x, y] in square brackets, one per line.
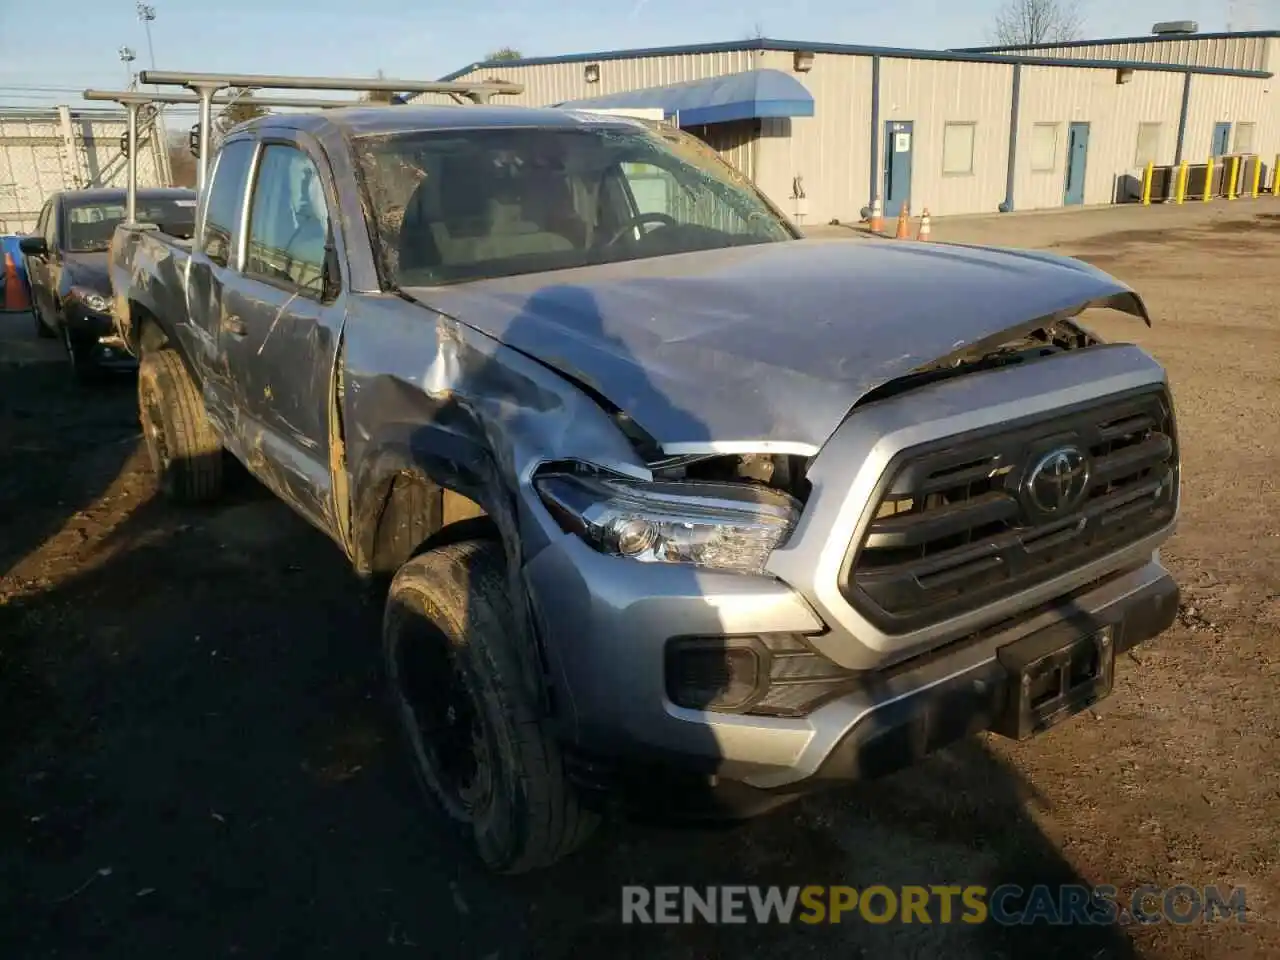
[1008, 904]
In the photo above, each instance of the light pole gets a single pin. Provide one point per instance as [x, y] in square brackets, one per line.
[146, 14]
[127, 56]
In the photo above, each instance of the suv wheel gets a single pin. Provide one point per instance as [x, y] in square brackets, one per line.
[181, 443]
[477, 744]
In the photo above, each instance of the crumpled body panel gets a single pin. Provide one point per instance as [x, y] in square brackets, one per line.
[768, 347]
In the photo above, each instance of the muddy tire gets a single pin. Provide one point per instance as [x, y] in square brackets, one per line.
[181, 443]
[476, 741]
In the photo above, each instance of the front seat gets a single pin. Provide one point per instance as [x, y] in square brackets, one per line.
[510, 233]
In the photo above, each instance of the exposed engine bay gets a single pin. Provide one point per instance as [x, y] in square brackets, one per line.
[786, 472]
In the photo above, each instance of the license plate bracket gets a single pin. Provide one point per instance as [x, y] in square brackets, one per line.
[1052, 678]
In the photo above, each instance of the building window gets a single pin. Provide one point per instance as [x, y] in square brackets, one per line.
[1244, 138]
[1148, 150]
[957, 148]
[1044, 147]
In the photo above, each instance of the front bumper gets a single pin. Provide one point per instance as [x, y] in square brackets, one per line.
[604, 646]
[96, 339]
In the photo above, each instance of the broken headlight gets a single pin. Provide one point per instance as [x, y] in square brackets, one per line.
[725, 526]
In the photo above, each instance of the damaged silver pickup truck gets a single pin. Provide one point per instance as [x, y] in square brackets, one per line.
[670, 502]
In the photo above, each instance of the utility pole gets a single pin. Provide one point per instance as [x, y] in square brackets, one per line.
[147, 14]
[127, 56]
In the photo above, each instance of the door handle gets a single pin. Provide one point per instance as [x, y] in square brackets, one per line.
[234, 326]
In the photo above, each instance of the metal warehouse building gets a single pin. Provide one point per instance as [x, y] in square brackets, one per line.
[824, 128]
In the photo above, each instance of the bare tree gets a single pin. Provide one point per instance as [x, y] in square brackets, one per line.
[241, 109]
[182, 165]
[377, 96]
[1020, 22]
[504, 53]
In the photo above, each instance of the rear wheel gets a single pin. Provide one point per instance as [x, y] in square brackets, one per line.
[478, 745]
[181, 443]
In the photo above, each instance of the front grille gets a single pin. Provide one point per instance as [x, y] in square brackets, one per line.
[959, 523]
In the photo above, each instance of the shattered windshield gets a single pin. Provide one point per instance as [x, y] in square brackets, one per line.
[457, 205]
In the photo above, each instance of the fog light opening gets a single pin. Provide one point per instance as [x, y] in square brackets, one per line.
[714, 675]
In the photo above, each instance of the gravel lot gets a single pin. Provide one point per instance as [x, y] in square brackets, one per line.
[195, 760]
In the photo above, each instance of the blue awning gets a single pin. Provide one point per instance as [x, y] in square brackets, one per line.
[737, 96]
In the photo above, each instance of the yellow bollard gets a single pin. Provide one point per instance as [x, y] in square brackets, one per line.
[1231, 184]
[1180, 191]
[1148, 174]
[1275, 178]
[1257, 176]
[1208, 180]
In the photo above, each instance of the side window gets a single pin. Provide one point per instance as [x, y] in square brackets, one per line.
[651, 187]
[690, 202]
[288, 222]
[226, 192]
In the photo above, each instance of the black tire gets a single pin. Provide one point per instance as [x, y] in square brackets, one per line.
[83, 369]
[42, 331]
[181, 443]
[453, 673]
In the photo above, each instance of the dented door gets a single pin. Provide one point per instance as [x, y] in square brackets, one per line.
[284, 345]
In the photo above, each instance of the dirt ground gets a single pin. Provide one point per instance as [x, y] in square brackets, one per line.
[195, 760]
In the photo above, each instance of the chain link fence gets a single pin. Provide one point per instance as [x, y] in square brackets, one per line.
[43, 151]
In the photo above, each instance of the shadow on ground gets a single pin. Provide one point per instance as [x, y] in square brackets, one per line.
[208, 769]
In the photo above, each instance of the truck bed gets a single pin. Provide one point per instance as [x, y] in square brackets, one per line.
[149, 276]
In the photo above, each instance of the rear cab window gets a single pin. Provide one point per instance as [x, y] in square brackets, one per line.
[225, 200]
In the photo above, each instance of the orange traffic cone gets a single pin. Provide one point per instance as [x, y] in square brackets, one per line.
[15, 294]
[925, 228]
[877, 216]
[903, 224]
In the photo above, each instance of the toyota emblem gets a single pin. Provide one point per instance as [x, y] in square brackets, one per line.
[1058, 481]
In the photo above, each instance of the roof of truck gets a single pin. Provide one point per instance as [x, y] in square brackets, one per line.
[409, 118]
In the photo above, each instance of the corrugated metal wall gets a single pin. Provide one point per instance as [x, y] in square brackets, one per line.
[34, 162]
[1233, 100]
[1113, 111]
[829, 151]
[1239, 53]
[828, 155]
[930, 93]
[556, 82]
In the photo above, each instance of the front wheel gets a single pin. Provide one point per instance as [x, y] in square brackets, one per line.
[479, 748]
[42, 329]
[79, 356]
[182, 445]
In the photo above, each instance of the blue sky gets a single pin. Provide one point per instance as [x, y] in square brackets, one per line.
[429, 38]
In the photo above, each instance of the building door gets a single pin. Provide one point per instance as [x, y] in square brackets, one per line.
[1077, 163]
[1221, 139]
[897, 165]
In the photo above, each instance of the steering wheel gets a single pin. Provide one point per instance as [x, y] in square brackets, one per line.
[637, 220]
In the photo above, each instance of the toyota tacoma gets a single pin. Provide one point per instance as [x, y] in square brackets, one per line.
[664, 496]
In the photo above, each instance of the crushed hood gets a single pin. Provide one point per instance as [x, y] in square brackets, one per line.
[769, 345]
